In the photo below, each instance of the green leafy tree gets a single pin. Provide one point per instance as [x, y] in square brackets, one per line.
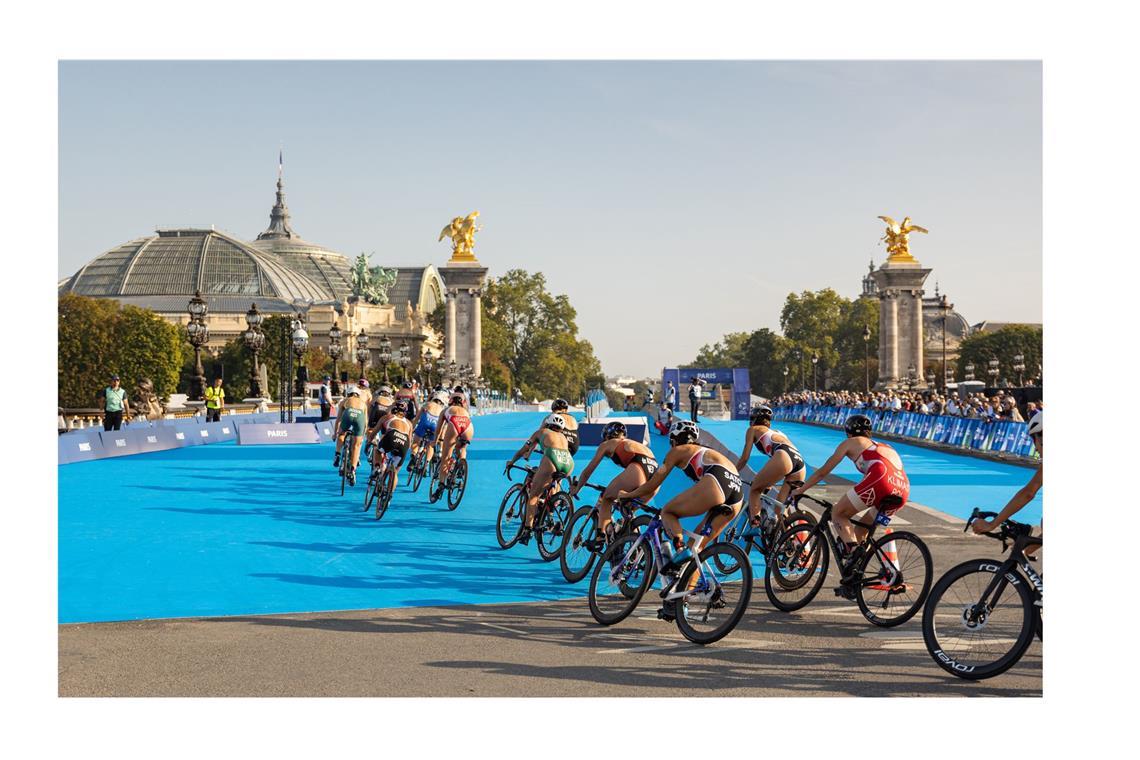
[98, 338]
[979, 348]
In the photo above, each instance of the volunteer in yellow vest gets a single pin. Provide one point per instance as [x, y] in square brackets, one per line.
[215, 400]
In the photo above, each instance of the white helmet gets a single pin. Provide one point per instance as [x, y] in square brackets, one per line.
[554, 422]
[684, 431]
[1035, 424]
[440, 396]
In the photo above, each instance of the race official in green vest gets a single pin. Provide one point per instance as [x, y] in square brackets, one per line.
[114, 402]
[215, 400]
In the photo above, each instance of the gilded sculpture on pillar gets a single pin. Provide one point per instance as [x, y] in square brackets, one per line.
[462, 231]
[896, 238]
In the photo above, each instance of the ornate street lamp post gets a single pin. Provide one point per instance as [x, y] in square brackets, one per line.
[814, 375]
[300, 338]
[425, 362]
[969, 372]
[993, 371]
[866, 358]
[385, 354]
[198, 334]
[1019, 368]
[911, 376]
[785, 378]
[803, 373]
[930, 379]
[405, 358]
[451, 373]
[945, 306]
[255, 341]
[336, 350]
[362, 350]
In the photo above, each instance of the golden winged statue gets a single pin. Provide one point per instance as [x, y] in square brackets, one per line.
[898, 246]
[462, 231]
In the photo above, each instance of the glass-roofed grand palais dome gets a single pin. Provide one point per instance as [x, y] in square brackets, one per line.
[163, 271]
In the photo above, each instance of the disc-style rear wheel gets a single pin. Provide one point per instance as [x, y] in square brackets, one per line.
[974, 637]
[895, 579]
[458, 484]
[512, 510]
[716, 600]
[574, 558]
[549, 533]
[796, 568]
[620, 579]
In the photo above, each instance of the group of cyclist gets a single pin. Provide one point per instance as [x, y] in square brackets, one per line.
[718, 491]
[391, 425]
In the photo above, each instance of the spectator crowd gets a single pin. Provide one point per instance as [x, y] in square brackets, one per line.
[997, 408]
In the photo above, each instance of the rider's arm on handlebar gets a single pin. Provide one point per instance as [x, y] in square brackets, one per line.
[585, 476]
[825, 469]
[742, 462]
[1019, 500]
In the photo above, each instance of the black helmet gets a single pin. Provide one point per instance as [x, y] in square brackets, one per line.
[400, 407]
[613, 430]
[559, 405]
[408, 384]
[440, 388]
[761, 415]
[858, 424]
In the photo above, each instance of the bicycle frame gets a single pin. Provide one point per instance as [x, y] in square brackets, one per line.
[651, 536]
[826, 524]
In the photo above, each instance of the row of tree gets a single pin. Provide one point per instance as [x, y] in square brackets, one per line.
[831, 329]
[99, 337]
[530, 342]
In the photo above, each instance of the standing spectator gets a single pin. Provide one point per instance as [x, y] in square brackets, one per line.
[113, 401]
[324, 398]
[694, 398]
[671, 395]
[648, 397]
[215, 400]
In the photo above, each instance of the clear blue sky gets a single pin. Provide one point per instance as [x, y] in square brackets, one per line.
[695, 195]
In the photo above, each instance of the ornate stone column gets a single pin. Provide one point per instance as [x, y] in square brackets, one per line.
[916, 336]
[477, 330]
[451, 294]
[889, 343]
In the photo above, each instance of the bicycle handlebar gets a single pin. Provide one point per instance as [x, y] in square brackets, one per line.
[1010, 529]
[821, 502]
[578, 483]
[525, 468]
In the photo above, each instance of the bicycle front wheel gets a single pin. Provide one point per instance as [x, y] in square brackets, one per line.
[715, 600]
[574, 558]
[621, 577]
[975, 635]
[796, 568]
[550, 532]
[458, 484]
[896, 576]
[512, 510]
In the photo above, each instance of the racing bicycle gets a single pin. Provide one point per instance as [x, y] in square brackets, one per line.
[550, 517]
[736, 532]
[456, 482]
[380, 486]
[583, 543]
[888, 577]
[347, 473]
[705, 602]
[982, 614]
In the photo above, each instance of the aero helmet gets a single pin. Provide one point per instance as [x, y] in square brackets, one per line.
[683, 431]
[613, 430]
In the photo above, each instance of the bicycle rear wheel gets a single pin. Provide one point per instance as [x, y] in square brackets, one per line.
[574, 558]
[716, 600]
[458, 484]
[512, 510]
[417, 475]
[435, 490]
[370, 491]
[385, 488]
[620, 581]
[896, 577]
[975, 639]
[549, 532]
[796, 568]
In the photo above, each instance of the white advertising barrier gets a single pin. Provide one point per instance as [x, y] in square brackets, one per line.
[260, 434]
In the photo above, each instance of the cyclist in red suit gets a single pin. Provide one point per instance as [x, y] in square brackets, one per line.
[884, 485]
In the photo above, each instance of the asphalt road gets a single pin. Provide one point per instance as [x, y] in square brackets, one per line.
[534, 649]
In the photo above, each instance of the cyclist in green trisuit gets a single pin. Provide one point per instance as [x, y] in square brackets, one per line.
[353, 415]
[555, 458]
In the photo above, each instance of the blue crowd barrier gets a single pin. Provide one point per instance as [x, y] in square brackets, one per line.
[80, 446]
[219, 431]
[325, 430]
[969, 433]
[590, 433]
[155, 438]
[277, 433]
[118, 443]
